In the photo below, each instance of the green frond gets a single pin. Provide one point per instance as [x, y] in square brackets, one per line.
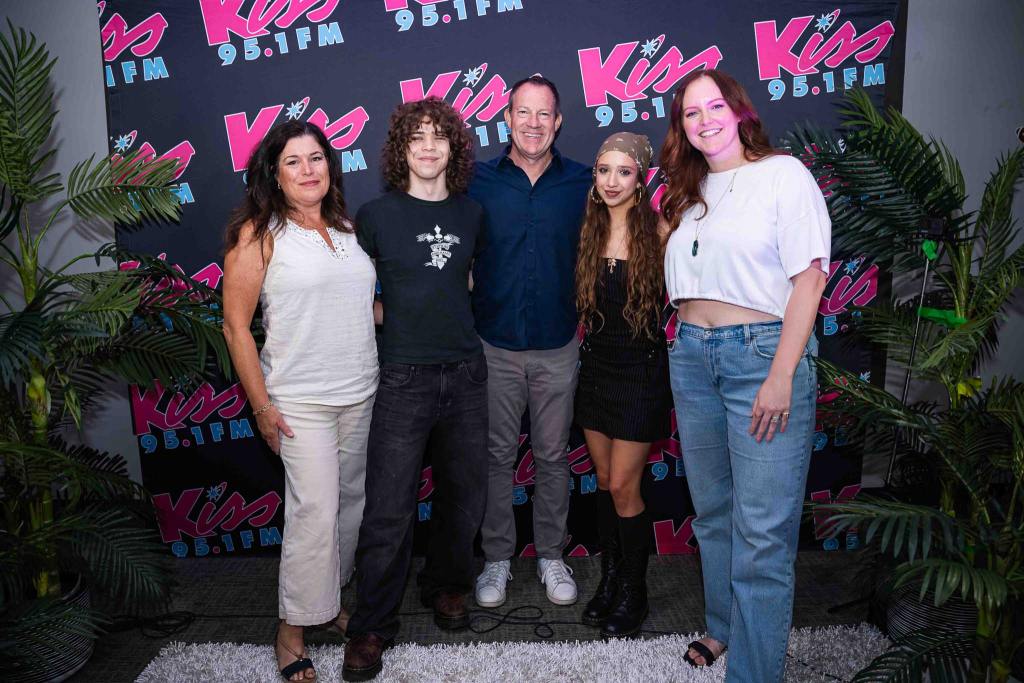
[21, 336]
[869, 403]
[176, 303]
[964, 341]
[1006, 401]
[883, 181]
[954, 175]
[76, 472]
[858, 111]
[942, 655]
[901, 528]
[10, 209]
[993, 287]
[26, 115]
[995, 225]
[141, 357]
[104, 305]
[124, 189]
[123, 558]
[892, 325]
[945, 577]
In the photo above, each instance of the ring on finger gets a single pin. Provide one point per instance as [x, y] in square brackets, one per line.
[774, 419]
[785, 413]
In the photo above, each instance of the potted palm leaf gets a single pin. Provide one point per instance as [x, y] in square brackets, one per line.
[955, 526]
[71, 517]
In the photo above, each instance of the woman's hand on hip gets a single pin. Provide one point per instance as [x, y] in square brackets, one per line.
[272, 425]
[771, 407]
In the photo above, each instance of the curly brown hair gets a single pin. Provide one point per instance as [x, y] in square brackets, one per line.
[684, 167]
[405, 121]
[645, 276]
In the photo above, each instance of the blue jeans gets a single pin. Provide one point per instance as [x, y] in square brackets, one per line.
[747, 495]
[445, 405]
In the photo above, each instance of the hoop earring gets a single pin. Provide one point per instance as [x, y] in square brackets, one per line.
[594, 197]
[639, 194]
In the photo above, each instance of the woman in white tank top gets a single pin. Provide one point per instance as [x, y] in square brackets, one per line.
[745, 264]
[291, 247]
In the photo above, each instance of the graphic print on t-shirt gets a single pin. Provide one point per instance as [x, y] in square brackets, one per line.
[440, 246]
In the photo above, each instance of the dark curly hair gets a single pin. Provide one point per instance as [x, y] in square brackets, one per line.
[265, 203]
[405, 121]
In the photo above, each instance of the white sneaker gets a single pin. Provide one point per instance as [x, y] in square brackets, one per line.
[557, 579]
[490, 585]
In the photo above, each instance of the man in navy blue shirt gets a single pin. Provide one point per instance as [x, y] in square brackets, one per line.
[525, 312]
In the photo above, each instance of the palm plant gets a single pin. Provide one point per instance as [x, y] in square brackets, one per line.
[899, 198]
[63, 339]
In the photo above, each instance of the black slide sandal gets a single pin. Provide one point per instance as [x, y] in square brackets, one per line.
[301, 664]
[702, 650]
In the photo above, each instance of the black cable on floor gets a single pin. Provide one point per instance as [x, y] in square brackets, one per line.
[524, 615]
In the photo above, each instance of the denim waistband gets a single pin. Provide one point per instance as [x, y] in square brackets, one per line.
[435, 366]
[745, 332]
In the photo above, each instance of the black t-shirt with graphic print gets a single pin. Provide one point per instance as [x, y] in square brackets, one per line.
[423, 251]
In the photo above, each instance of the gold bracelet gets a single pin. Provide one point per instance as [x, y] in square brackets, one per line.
[263, 409]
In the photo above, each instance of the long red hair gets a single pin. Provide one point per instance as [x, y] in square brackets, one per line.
[683, 166]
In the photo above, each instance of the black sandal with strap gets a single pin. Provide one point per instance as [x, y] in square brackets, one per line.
[302, 663]
[702, 650]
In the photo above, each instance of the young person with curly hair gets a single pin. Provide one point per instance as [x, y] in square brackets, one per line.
[423, 235]
[745, 266]
[623, 401]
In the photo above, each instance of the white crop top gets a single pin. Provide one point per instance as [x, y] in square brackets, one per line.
[772, 225]
[318, 319]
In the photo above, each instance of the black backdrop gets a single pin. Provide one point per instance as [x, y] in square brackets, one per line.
[202, 80]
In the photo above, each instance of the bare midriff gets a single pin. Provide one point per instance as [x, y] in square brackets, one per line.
[708, 313]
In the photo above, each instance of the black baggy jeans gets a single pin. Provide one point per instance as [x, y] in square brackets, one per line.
[445, 405]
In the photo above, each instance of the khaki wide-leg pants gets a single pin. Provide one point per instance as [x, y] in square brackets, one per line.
[325, 472]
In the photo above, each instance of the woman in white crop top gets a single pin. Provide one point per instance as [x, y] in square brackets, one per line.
[745, 265]
[291, 247]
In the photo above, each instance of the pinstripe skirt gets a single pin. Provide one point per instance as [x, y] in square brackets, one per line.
[624, 392]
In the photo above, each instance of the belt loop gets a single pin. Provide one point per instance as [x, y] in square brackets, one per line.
[746, 334]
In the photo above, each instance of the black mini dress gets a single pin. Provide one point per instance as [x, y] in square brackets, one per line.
[624, 389]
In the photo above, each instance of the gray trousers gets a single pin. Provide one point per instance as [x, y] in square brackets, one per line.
[546, 381]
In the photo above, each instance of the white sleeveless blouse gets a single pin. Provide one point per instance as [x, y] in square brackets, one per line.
[318, 318]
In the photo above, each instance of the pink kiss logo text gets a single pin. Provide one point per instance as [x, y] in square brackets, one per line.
[812, 55]
[436, 13]
[343, 132]
[644, 82]
[223, 19]
[182, 152]
[121, 42]
[213, 528]
[481, 104]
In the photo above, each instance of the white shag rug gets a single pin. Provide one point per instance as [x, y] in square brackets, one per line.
[815, 654]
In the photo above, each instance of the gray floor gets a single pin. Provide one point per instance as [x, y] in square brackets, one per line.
[236, 600]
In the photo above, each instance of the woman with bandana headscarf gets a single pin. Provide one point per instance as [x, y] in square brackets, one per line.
[623, 400]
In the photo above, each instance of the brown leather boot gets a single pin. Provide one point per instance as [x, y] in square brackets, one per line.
[363, 655]
[450, 611]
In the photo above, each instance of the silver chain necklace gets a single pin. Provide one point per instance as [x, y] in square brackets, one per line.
[701, 222]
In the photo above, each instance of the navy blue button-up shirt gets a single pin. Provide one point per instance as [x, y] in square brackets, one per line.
[524, 275]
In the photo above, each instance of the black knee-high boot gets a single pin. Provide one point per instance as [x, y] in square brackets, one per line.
[600, 606]
[631, 605]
